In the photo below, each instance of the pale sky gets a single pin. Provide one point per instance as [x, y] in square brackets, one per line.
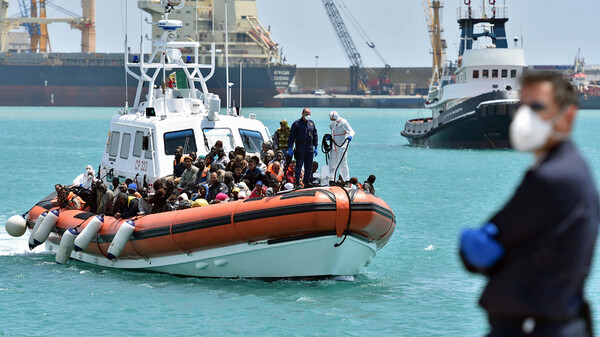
[552, 30]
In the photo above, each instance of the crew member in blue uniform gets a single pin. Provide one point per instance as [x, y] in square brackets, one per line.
[304, 135]
[537, 250]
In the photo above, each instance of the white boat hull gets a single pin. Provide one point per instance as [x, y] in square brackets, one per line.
[311, 257]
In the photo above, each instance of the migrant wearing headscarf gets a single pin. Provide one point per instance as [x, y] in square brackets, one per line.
[197, 194]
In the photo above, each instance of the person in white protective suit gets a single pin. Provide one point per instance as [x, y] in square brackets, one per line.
[340, 131]
[86, 179]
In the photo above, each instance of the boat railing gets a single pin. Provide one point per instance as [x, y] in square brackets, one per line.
[480, 12]
[166, 55]
[419, 125]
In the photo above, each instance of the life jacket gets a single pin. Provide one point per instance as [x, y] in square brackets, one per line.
[274, 175]
[74, 202]
[175, 161]
[290, 175]
[129, 198]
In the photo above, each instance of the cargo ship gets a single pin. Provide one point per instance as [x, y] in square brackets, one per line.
[67, 79]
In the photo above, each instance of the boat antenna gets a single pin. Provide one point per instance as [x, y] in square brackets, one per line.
[124, 22]
[197, 36]
[240, 107]
[227, 58]
[213, 20]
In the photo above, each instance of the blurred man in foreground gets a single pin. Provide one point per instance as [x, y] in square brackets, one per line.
[537, 250]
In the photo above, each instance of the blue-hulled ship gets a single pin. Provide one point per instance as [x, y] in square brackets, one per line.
[67, 79]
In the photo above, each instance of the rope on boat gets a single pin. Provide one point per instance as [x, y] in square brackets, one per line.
[349, 218]
[327, 145]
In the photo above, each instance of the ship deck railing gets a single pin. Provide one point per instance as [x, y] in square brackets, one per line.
[478, 12]
[419, 125]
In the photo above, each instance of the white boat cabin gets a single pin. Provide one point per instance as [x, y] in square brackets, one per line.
[142, 144]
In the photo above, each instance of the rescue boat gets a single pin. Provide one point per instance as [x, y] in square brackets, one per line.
[313, 232]
[325, 231]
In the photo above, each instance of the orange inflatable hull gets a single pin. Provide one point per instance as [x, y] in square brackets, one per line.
[287, 216]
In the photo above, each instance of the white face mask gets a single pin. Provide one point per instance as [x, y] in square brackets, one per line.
[528, 132]
[307, 117]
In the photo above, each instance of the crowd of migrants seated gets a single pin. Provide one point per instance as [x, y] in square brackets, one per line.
[196, 182]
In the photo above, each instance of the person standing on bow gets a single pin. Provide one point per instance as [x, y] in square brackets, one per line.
[303, 134]
[340, 132]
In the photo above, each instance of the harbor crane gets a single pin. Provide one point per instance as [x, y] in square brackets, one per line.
[438, 45]
[359, 81]
[33, 18]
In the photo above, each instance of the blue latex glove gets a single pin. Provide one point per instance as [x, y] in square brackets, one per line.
[479, 247]
[291, 152]
[316, 152]
[349, 138]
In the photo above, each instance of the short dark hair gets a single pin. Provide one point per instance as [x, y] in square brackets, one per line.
[371, 178]
[564, 93]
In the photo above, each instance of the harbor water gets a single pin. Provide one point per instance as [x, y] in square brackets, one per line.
[416, 285]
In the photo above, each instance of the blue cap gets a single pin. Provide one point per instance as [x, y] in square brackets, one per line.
[259, 183]
[132, 186]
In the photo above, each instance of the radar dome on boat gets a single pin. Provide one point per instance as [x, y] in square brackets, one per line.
[16, 226]
[170, 24]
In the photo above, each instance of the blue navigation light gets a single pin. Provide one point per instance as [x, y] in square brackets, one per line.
[189, 59]
[135, 59]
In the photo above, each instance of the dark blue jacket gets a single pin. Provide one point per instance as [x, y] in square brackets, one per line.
[255, 175]
[178, 168]
[215, 189]
[303, 134]
[548, 229]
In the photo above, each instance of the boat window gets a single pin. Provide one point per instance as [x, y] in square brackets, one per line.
[224, 135]
[137, 144]
[183, 138]
[113, 147]
[494, 73]
[485, 73]
[475, 73]
[504, 73]
[252, 140]
[125, 145]
[513, 73]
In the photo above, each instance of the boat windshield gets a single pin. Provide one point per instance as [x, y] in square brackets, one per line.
[184, 138]
[224, 135]
[252, 140]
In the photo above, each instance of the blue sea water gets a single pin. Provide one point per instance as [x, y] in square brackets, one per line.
[416, 285]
